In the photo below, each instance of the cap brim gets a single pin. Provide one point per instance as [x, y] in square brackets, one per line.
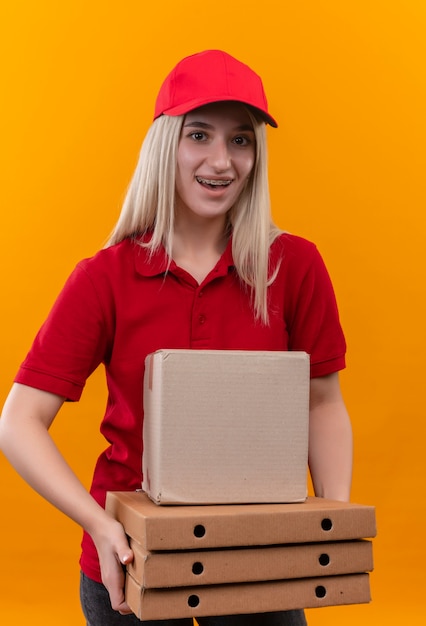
[199, 102]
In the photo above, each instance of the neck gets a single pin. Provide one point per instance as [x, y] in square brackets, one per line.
[197, 247]
[201, 235]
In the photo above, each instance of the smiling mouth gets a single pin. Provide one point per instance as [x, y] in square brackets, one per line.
[212, 183]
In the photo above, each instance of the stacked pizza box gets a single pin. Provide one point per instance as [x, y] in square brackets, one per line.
[223, 524]
[194, 561]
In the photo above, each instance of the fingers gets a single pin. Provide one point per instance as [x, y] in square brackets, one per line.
[114, 554]
[116, 592]
[113, 576]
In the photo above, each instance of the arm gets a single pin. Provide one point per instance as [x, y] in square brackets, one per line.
[330, 439]
[26, 442]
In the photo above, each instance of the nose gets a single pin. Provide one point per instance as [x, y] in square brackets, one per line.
[220, 157]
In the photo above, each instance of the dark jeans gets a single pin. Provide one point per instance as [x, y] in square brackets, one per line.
[98, 612]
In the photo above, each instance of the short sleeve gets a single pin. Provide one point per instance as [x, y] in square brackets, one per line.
[312, 315]
[72, 342]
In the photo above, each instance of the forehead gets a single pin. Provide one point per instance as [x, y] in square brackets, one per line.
[233, 113]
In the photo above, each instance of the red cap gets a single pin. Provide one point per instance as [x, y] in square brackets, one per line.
[207, 77]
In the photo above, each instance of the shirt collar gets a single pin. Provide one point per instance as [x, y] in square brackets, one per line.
[156, 263]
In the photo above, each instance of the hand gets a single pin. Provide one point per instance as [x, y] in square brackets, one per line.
[114, 552]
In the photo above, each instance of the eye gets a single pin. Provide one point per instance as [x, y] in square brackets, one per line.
[198, 135]
[242, 140]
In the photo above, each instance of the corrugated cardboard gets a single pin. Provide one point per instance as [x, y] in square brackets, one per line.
[225, 426]
[221, 526]
[246, 598]
[213, 567]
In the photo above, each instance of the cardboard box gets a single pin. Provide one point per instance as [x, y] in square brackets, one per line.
[213, 567]
[221, 526]
[225, 426]
[246, 598]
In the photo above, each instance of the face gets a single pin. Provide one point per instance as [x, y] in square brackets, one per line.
[216, 155]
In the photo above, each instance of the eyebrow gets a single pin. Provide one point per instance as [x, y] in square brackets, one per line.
[243, 127]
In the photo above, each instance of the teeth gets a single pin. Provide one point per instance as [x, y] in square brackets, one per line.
[213, 183]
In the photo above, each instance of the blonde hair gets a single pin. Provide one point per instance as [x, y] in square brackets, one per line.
[149, 207]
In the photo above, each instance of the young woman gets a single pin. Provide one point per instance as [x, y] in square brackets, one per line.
[193, 262]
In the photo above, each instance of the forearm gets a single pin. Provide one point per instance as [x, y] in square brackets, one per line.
[26, 442]
[330, 444]
[330, 452]
[32, 452]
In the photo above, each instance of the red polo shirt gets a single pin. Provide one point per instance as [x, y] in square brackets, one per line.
[120, 305]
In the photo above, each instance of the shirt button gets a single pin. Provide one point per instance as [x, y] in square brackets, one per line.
[201, 294]
[201, 319]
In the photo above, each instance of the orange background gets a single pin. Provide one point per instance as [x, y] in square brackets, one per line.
[346, 80]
